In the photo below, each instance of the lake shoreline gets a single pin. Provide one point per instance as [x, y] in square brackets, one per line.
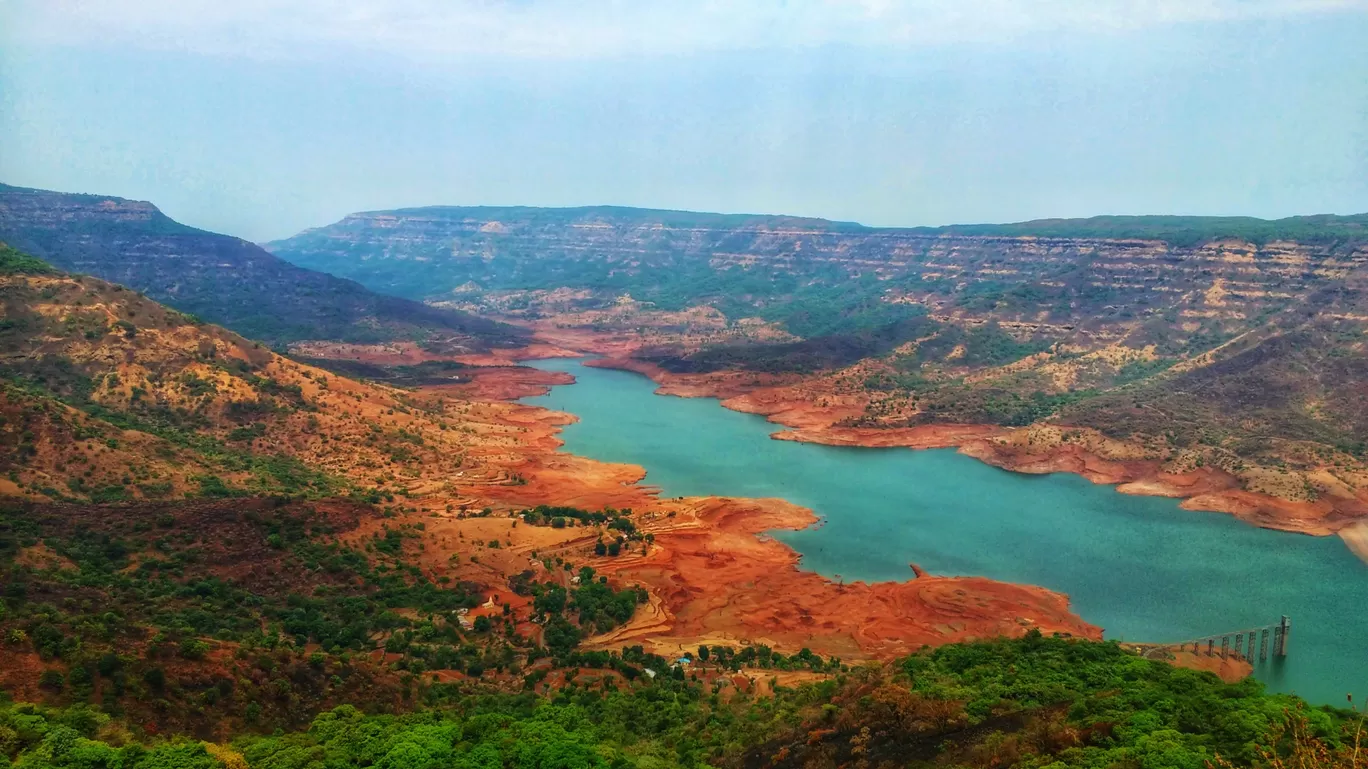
[1012, 449]
[1139, 566]
[1018, 450]
[717, 577]
[724, 544]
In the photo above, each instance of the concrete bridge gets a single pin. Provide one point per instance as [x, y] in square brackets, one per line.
[1241, 643]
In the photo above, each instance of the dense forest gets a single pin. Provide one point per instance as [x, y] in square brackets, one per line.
[1033, 702]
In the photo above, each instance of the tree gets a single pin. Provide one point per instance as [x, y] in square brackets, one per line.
[193, 649]
[551, 601]
[561, 636]
[405, 755]
[155, 678]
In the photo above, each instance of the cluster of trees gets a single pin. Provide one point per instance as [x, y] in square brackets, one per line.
[557, 516]
[16, 262]
[619, 523]
[762, 656]
[995, 405]
[596, 608]
[982, 346]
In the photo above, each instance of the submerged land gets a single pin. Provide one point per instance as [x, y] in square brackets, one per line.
[337, 497]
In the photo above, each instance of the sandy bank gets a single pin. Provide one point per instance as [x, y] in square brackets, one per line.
[505, 383]
[1229, 669]
[1355, 535]
[720, 578]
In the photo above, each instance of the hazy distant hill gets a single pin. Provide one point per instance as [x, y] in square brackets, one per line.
[219, 278]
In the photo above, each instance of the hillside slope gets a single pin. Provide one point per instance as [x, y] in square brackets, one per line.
[223, 279]
[202, 533]
[118, 397]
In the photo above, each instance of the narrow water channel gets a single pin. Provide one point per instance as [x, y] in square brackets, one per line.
[1140, 567]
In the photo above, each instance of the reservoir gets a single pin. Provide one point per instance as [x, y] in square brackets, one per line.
[1140, 567]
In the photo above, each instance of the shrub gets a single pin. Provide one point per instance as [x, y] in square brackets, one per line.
[51, 680]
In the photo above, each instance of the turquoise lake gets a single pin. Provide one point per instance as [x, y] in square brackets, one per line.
[1140, 567]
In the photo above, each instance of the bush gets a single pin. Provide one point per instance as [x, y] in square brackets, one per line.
[51, 680]
[193, 649]
[155, 677]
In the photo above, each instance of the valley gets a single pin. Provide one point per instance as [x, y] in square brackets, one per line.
[896, 384]
[1219, 360]
[410, 520]
[115, 400]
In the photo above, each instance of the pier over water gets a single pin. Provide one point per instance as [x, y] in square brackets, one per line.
[1244, 644]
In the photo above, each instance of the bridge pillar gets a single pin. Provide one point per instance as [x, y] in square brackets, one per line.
[1284, 629]
[1263, 645]
[1211, 645]
[1249, 655]
[1225, 647]
[1239, 644]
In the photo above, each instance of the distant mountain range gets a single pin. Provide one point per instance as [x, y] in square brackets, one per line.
[223, 279]
[425, 253]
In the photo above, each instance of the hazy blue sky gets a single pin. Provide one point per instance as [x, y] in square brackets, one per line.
[261, 118]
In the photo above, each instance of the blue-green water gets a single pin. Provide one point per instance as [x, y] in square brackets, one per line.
[1140, 567]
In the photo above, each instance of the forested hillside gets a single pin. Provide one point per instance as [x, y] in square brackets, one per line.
[203, 536]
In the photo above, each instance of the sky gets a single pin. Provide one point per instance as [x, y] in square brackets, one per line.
[261, 118]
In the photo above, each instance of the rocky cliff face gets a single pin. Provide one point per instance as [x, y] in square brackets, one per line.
[428, 252]
[220, 278]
